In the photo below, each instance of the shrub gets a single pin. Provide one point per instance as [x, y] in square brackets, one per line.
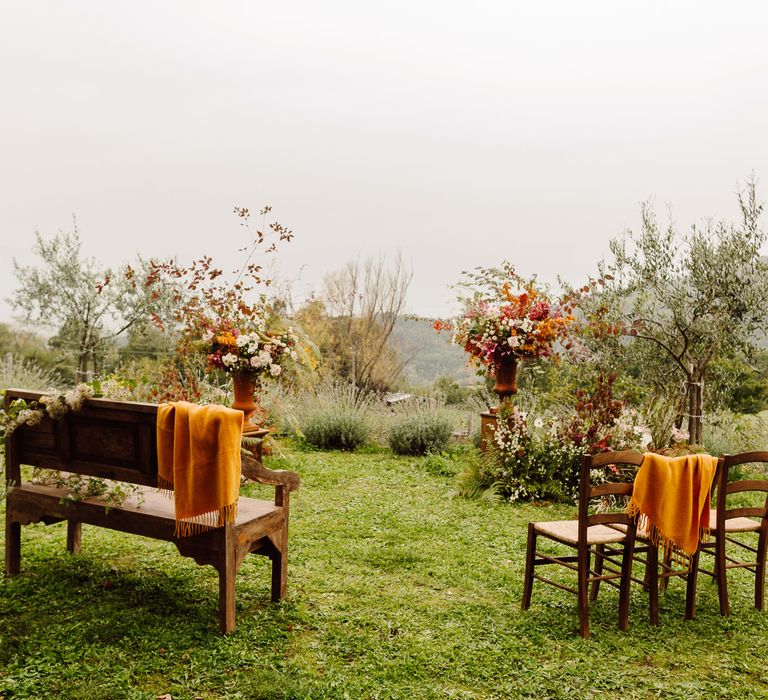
[333, 415]
[419, 433]
[25, 374]
[341, 428]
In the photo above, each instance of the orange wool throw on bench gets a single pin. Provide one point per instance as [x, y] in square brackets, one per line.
[198, 458]
[671, 497]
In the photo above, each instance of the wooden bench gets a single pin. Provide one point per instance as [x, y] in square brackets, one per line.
[117, 440]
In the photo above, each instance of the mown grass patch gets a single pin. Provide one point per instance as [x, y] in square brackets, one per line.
[396, 590]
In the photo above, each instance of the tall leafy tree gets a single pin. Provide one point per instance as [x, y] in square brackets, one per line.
[87, 304]
[689, 298]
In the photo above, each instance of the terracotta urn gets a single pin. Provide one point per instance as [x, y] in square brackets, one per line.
[506, 376]
[245, 384]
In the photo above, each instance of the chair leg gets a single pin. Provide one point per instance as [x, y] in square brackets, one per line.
[762, 546]
[652, 573]
[690, 586]
[599, 556]
[626, 583]
[530, 556]
[583, 590]
[664, 582]
[74, 536]
[12, 546]
[720, 574]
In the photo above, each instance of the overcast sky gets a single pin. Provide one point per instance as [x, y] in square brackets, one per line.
[460, 134]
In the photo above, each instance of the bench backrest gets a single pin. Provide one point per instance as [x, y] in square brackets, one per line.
[108, 439]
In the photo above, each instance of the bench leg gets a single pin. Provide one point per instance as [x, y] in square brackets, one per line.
[74, 534]
[12, 547]
[227, 574]
[280, 568]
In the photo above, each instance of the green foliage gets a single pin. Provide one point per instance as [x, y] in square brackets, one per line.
[419, 433]
[396, 590]
[89, 305]
[24, 344]
[531, 461]
[535, 453]
[729, 433]
[740, 386]
[440, 464]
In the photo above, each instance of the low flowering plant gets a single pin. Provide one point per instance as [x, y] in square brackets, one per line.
[507, 315]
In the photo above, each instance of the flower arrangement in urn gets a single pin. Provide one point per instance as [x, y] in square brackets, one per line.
[250, 349]
[506, 318]
[229, 323]
[254, 350]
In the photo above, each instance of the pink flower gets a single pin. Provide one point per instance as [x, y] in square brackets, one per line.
[539, 311]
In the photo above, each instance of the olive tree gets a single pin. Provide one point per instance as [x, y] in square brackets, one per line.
[87, 304]
[690, 298]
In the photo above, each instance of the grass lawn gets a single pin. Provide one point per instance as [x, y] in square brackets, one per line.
[396, 590]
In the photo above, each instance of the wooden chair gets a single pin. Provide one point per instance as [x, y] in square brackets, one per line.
[735, 524]
[657, 571]
[585, 534]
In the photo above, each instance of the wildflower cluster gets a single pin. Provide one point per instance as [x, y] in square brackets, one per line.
[528, 460]
[507, 315]
[535, 458]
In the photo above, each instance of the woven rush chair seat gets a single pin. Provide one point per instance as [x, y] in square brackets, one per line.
[732, 525]
[567, 531]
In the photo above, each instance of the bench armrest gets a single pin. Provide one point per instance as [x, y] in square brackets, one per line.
[256, 471]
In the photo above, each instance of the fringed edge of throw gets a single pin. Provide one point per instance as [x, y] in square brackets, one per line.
[165, 486]
[186, 527]
[657, 538]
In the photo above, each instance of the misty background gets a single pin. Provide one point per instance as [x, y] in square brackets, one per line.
[459, 134]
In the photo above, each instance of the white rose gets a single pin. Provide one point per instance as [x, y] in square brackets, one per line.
[229, 360]
[274, 370]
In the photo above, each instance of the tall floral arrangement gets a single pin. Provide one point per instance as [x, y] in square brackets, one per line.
[504, 314]
[228, 320]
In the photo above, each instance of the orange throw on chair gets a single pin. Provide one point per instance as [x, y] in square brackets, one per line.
[671, 496]
[198, 458]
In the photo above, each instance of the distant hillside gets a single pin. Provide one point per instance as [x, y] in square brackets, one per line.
[433, 354]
